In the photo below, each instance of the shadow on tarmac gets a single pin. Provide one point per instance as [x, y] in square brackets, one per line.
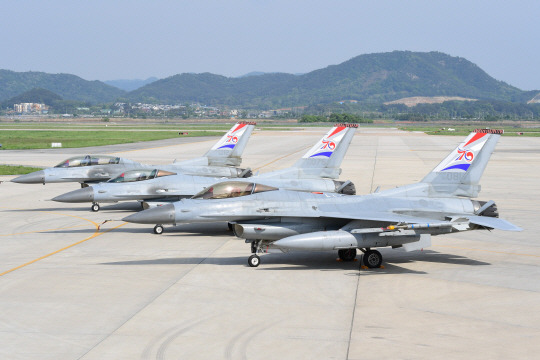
[105, 208]
[321, 261]
[56, 209]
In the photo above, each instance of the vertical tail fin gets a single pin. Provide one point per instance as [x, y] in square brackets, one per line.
[328, 153]
[228, 150]
[323, 160]
[460, 172]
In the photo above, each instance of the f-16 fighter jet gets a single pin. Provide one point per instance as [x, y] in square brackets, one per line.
[221, 160]
[315, 171]
[273, 219]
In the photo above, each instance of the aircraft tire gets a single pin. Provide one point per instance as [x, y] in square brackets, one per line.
[254, 260]
[347, 254]
[372, 259]
[95, 207]
[158, 229]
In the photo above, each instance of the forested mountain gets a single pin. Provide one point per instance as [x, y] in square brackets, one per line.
[371, 78]
[211, 89]
[68, 86]
[36, 95]
[368, 79]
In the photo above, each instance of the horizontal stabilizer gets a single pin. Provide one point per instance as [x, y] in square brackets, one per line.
[494, 223]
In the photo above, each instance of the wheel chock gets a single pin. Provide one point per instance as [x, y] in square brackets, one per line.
[381, 267]
[364, 267]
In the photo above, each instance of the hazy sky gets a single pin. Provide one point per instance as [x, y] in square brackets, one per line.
[129, 39]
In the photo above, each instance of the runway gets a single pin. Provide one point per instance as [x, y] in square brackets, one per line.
[70, 289]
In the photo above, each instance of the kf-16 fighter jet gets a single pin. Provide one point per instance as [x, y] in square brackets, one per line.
[272, 219]
[315, 171]
[221, 160]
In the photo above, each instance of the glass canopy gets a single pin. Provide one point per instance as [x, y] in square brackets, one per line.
[88, 160]
[230, 189]
[140, 175]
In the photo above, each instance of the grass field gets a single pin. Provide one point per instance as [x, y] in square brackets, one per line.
[113, 126]
[16, 170]
[131, 126]
[466, 130]
[72, 138]
[41, 135]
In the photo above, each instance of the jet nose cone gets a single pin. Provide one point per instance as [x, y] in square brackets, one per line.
[80, 195]
[37, 177]
[158, 215]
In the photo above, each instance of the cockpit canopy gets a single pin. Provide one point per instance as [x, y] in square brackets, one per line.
[140, 175]
[230, 189]
[88, 160]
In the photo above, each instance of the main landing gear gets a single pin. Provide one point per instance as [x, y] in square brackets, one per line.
[158, 229]
[372, 258]
[95, 207]
[347, 254]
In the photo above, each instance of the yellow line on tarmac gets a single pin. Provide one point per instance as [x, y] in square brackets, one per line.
[53, 212]
[46, 230]
[284, 156]
[482, 250]
[97, 233]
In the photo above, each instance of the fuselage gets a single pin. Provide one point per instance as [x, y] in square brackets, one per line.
[283, 203]
[177, 186]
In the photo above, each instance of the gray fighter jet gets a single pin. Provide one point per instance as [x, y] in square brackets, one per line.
[221, 160]
[315, 171]
[272, 219]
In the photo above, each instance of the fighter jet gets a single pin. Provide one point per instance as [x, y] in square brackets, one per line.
[221, 160]
[315, 171]
[276, 220]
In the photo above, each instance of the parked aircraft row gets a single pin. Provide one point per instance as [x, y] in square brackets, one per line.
[315, 171]
[302, 208]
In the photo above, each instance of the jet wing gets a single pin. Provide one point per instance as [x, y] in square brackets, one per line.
[351, 213]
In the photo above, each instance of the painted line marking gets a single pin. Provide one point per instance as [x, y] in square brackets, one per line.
[96, 234]
[280, 158]
[46, 230]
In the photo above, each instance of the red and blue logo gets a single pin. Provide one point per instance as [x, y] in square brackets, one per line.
[232, 139]
[463, 155]
[327, 145]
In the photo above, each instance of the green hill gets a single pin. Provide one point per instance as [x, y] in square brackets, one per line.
[373, 78]
[69, 87]
[36, 95]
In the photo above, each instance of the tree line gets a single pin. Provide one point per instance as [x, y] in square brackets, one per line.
[335, 118]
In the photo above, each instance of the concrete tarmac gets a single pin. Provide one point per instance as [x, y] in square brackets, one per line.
[71, 290]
